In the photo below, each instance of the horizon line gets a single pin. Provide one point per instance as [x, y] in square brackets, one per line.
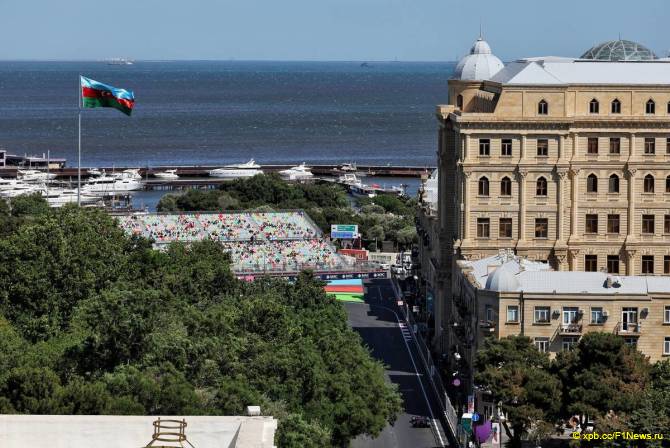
[377, 61]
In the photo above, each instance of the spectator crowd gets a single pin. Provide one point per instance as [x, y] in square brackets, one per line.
[256, 241]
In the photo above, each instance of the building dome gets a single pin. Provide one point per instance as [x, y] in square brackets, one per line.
[502, 280]
[479, 65]
[619, 50]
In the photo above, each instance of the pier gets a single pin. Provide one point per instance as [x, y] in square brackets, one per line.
[202, 171]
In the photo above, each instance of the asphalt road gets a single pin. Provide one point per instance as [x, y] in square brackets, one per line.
[376, 322]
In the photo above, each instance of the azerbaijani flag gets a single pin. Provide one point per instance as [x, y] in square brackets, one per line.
[97, 94]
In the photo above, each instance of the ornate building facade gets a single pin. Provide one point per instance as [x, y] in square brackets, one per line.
[559, 159]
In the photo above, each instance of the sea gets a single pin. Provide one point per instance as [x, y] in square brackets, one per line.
[220, 112]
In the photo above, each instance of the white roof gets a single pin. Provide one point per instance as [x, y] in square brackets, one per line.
[553, 70]
[85, 431]
[479, 65]
[509, 273]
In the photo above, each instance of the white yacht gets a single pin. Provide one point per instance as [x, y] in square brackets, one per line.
[95, 172]
[128, 174]
[8, 184]
[111, 185]
[167, 175]
[19, 189]
[58, 197]
[34, 176]
[249, 169]
[348, 179]
[300, 172]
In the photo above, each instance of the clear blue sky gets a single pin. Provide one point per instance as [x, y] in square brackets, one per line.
[429, 30]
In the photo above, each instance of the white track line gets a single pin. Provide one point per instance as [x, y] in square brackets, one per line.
[425, 363]
[416, 370]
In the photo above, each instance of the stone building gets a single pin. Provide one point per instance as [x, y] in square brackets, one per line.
[504, 295]
[563, 160]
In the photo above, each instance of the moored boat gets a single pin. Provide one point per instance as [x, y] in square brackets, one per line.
[236, 171]
[300, 172]
[167, 175]
[59, 197]
[19, 188]
[111, 185]
[34, 175]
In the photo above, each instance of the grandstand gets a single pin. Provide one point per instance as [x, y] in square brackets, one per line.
[277, 243]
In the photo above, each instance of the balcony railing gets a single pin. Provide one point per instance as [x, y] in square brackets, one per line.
[570, 329]
[628, 328]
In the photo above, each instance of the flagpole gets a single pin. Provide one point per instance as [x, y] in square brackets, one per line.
[79, 151]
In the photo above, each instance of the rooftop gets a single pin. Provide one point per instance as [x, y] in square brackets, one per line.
[551, 70]
[84, 431]
[506, 272]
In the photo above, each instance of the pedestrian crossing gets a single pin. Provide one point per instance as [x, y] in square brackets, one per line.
[406, 333]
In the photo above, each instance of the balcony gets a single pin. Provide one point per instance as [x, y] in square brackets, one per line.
[628, 329]
[487, 326]
[570, 329]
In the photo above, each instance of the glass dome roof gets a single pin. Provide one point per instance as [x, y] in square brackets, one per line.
[619, 50]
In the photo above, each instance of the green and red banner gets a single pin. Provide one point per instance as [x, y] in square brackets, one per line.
[97, 94]
[346, 290]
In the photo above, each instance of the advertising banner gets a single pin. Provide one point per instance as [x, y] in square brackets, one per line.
[344, 231]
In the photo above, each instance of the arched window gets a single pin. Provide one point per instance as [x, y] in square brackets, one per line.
[669, 107]
[614, 184]
[542, 108]
[594, 106]
[505, 186]
[616, 106]
[541, 187]
[650, 107]
[667, 184]
[459, 101]
[483, 186]
[648, 183]
[592, 183]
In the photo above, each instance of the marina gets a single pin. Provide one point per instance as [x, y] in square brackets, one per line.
[204, 170]
[124, 188]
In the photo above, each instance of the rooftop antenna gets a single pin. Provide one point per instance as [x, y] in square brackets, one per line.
[480, 29]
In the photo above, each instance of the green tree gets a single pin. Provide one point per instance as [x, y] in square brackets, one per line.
[32, 390]
[653, 414]
[29, 205]
[407, 236]
[118, 323]
[600, 375]
[296, 432]
[52, 262]
[94, 321]
[376, 233]
[518, 377]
